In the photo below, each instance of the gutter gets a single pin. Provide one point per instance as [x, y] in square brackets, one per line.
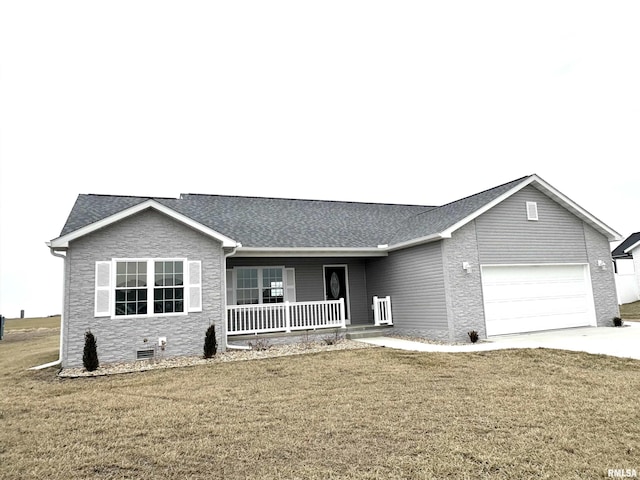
[59, 360]
[418, 241]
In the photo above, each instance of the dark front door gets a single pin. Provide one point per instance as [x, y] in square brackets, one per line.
[335, 285]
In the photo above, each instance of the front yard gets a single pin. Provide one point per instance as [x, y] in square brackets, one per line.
[374, 413]
[630, 311]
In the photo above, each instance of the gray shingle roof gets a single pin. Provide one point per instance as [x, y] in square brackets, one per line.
[92, 208]
[439, 219]
[277, 222]
[632, 239]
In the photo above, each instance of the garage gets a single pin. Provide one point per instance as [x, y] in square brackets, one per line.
[528, 298]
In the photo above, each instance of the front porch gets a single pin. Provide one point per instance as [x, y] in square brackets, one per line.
[289, 317]
[350, 332]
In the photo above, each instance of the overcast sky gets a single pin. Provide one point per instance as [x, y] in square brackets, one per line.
[416, 102]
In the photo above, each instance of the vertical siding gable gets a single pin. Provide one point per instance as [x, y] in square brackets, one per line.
[505, 235]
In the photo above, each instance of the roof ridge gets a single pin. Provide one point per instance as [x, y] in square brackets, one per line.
[128, 196]
[256, 197]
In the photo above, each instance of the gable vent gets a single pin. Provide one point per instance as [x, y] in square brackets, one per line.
[532, 211]
[144, 354]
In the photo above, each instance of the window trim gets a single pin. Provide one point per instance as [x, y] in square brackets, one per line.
[532, 211]
[260, 268]
[346, 286]
[150, 287]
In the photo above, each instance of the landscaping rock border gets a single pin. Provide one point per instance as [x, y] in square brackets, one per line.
[228, 356]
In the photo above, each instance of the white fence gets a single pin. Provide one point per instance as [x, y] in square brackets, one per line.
[627, 287]
[285, 317]
[382, 311]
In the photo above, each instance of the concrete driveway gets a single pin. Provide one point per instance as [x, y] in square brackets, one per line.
[619, 342]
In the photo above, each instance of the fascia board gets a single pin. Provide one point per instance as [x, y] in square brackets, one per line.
[449, 231]
[577, 210]
[635, 245]
[310, 252]
[417, 241]
[488, 206]
[63, 241]
[554, 194]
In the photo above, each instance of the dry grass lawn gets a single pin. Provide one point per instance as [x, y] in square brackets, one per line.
[630, 311]
[32, 323]
[372, 414]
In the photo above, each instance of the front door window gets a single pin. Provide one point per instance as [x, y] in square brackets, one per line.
[335, 284]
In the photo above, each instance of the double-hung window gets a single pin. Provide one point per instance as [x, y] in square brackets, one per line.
[258, 285]
[131, 288]
[168, 288]
[147, 287]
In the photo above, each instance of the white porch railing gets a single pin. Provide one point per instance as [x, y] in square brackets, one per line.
[382, 311]
[285, 317]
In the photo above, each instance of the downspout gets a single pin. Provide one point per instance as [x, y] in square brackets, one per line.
[59, 360]
[224, 295]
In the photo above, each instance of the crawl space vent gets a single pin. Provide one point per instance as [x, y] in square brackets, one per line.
[144, 354]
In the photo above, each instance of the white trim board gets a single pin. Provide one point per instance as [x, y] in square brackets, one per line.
[63, 241]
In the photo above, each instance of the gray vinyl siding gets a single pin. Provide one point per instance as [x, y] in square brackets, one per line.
[413, 278]
[505, 236]
[310, 279]
[148, 234]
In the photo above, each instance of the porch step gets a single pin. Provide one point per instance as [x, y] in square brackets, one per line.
[367, 331]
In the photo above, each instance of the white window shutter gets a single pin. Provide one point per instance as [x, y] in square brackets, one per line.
[290, 285]
[103, 290]
[532, 211]
[195, 286]
[230, 300]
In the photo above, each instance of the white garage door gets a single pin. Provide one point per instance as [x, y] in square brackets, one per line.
[541, 297]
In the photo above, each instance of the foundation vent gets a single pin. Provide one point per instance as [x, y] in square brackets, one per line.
[145, 354]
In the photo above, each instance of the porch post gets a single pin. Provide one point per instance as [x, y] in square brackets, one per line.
[287, 317]
[389, 316]
[343, 320]
[376, 311]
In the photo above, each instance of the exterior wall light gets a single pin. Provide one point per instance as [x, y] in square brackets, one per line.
[466, 267]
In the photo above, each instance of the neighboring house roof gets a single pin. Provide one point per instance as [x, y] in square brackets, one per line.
[279, 224]
[624, 250]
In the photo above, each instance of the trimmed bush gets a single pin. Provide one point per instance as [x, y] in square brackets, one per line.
[210, 344]
[473, 336]
[617, 322]
[90, 354]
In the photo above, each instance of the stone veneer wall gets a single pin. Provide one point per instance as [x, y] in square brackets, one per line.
[602, 280]
[148, 234]
[465, 309]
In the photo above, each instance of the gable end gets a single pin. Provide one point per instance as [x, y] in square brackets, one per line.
[63, 241]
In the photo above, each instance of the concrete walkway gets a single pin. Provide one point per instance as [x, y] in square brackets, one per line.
[619, 342]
